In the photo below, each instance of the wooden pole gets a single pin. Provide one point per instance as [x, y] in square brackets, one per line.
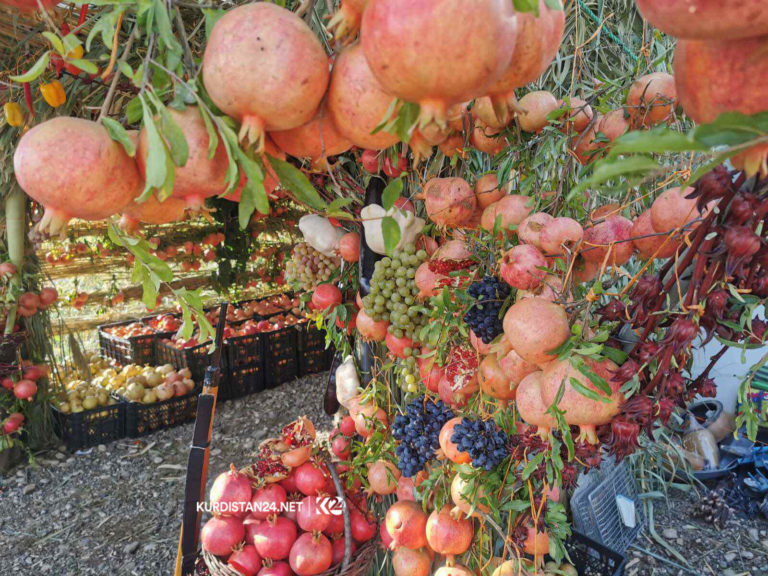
[199, 453]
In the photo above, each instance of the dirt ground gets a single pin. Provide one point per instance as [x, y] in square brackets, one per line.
[116, 510]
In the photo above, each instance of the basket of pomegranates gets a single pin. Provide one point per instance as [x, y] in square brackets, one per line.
[134, 341]
[281, 515]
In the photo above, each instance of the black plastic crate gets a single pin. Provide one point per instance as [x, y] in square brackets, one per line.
[280, 356]
[134, 350]
[592, 558]
[245, 350]
[313, 357]
[241, 381]
[142, 419]
[80, 430]
[196, 358]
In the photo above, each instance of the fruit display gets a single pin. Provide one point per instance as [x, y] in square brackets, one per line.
[521, 228]
[281, 512]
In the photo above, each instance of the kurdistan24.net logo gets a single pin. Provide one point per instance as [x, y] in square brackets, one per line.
[331, 506]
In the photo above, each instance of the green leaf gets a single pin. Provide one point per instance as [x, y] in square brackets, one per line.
[213, 136]
[392, 234]
[612, 168]
[391, 193]
[599, 382]
[174, 137]
[253, 195]
[133, 110]
[615, 355]
[660, 139]
[164, 30]
[119, 134]
[298, 184]
[731, 129]
[149, 296]
[55, 41]
[554, 4]
[532, 464]
[71, 42]
[126, 69]
[85, 65]
[588, 392]
[526, 6]
[37, 69]
[156, 170]
[335, 208]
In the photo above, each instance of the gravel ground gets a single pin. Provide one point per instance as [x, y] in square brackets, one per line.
[116, 510]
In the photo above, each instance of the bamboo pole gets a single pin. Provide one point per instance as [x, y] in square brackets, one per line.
[16, 228]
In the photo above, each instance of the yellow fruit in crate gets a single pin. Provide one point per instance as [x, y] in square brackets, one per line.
[103, 397]
[164, 392]
[109, 373]
[166, 368]
[150, 397]
[135, 391]
[186, 373]
[154, 379]
[76, 408]
[90, 402]
[64, 407]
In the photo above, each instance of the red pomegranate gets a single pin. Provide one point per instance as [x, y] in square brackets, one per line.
[267, 501]
[364, 525]
[536, 543]
[430, 371]
[358, 102]
[310, 479]
[535, 108]
[530, 405]
[326, 296]
[608, 241]
[464, 499]
[397, 346]
[276, 569]
[534, 327]
[538, 39]
[438, 52]
[231, 493]
[370, 329]
[529, 231]
[201, 177]
[251, 76]
[449, 201]
[721, 76]
[338, 550]
[487, 139]
[316, 140]
[707, 19]
[448, 447]
[651, 99]
[311, 554]
[455, 570]
[311, 517]
[580, 114]
[560, 233]
[274, 538]
[512, 209]
[488, 191]
[581, 411]
[74, 169]
[29, 5]
[406, 522]
[383, 477]
[220, 535]
[152, 211]
[522, 267]
[672, 210]
[514, 367]
[246, 560]
[448, 535]
[25, 389]
[648, 242]
[349, 247]
[407, 562]
[494, 380]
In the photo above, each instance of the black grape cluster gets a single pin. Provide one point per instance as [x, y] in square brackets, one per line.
[484, 316]
[485, 443]
[417, 432]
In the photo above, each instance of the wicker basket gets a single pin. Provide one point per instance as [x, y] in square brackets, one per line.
[357, 565]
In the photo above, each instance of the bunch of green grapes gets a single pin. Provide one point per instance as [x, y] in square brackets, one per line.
[307, 267]
[407, 372]
[393, 295]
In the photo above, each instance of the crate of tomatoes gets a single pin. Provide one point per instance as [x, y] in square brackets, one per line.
[135, 341]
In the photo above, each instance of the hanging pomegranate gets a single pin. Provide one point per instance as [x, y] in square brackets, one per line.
[358, 102]
[316, 140]
[438, 52]
[251, 75]
[74, 170]
[538, 39]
